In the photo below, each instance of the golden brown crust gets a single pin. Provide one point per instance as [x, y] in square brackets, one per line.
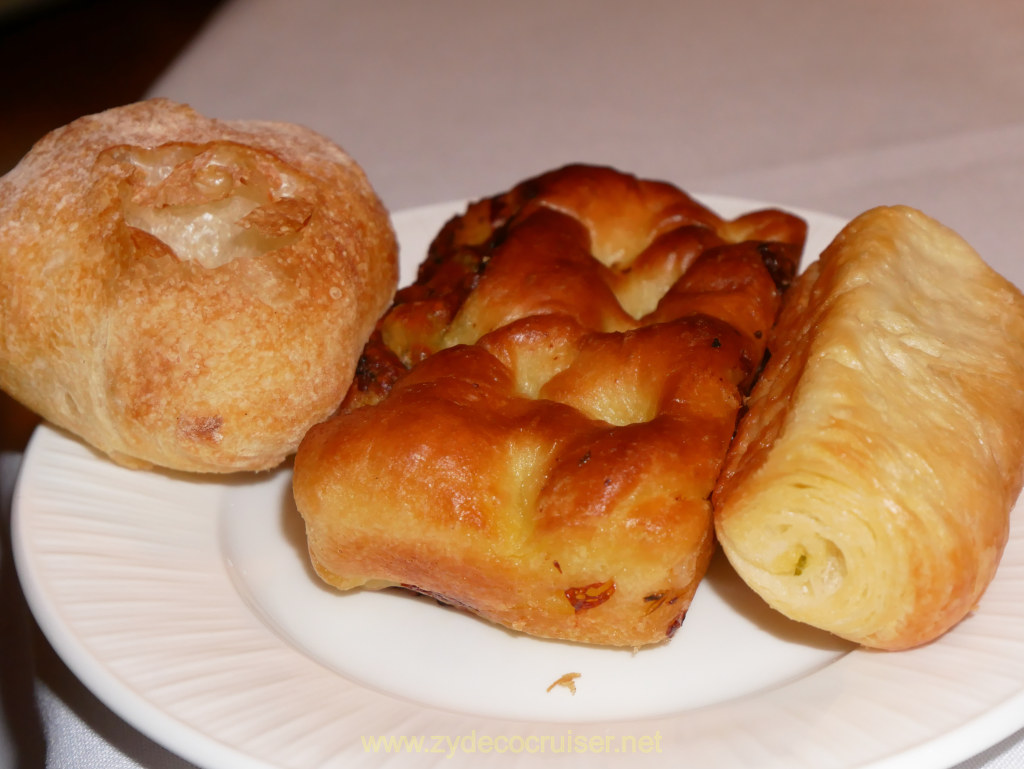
[185, 292]
[538, 421]
[869, 486]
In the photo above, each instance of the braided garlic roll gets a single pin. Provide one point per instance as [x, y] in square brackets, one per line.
[537, 424]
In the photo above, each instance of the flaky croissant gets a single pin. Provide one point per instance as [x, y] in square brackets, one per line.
[869, 487]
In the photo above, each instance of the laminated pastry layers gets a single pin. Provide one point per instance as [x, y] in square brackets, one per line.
[538, 421]
[869, 487]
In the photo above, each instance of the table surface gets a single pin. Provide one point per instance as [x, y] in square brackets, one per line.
[832, 106]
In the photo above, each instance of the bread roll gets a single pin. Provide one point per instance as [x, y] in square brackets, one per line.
[538, 422]
[869, 487]
[185, 292]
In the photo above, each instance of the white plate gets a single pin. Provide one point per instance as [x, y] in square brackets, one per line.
[188, 606]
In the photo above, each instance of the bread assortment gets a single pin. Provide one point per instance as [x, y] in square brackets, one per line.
[592, 382]
[539, 420]
[869, 487]
[184, 292]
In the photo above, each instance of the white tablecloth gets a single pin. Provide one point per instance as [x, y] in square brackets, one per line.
[829, 105]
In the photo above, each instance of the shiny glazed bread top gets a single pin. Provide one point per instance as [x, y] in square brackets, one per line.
[538, 421]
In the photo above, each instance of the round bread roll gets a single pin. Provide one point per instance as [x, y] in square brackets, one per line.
[185, 292]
